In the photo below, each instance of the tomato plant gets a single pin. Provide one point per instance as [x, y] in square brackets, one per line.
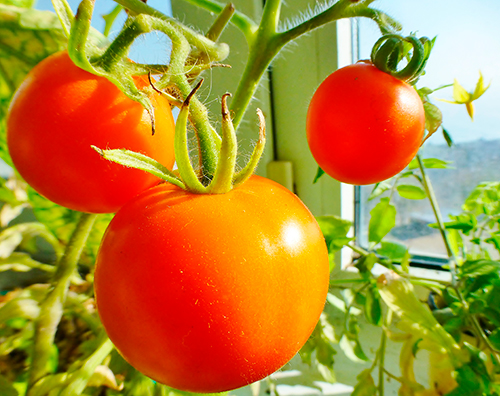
[364, 125]
[210, 292]
[59, 111]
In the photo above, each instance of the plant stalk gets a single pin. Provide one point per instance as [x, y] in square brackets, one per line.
[439, 220]
[51, 309]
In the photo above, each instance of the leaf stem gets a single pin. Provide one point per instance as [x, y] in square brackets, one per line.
[51, 308]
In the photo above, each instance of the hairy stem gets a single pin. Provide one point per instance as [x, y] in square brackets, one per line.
[51, 308]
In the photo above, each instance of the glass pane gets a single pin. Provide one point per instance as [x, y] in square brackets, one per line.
[467, 42]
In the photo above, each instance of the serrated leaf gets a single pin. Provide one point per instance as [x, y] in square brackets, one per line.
[382, 220]
[409, 191]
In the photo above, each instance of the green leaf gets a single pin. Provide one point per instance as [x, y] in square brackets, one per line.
[352, 348]
[494, 338]
[334, 228]
[319, 173]
[382, 221]
[447, 137]
[365, 263]
[463, 223]
[416, 318]
[479, 267]
[366, 385]
[393, 251]
[430, 163]
[373, 307]
[433, 117]
[379, 189]
[411, 192]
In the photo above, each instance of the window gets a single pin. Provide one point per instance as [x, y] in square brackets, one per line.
[466, 40]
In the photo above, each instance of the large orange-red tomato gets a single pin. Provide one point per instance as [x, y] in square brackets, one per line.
[59, 111]
[364, 125]
[207, 293]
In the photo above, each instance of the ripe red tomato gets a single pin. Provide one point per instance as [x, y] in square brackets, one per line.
[363, 125]
[210, 292]
[59, 111]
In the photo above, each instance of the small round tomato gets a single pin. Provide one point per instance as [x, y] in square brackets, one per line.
[363, 125]
[59, 111]
[210, 292]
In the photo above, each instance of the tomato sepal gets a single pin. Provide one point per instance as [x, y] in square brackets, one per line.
[390, 49]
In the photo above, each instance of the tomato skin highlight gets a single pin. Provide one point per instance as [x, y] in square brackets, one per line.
[363, 125]
[59, 111]
[208, 293]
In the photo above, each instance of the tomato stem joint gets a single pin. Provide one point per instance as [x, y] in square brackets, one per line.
[391, 49]
[225, 177]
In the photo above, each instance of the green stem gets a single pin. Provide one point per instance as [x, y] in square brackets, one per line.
[208, 139]
[381, 364]
[439, 220]
[381, 354]
[215, 51]
[121, 44]
[51, 309]
[110, 18]
[240, 20]
[334, 282]
[221, 22]
[270, 17]
[79, 379]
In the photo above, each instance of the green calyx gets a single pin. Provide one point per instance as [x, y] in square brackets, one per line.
[391, 49]
[187, 177]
